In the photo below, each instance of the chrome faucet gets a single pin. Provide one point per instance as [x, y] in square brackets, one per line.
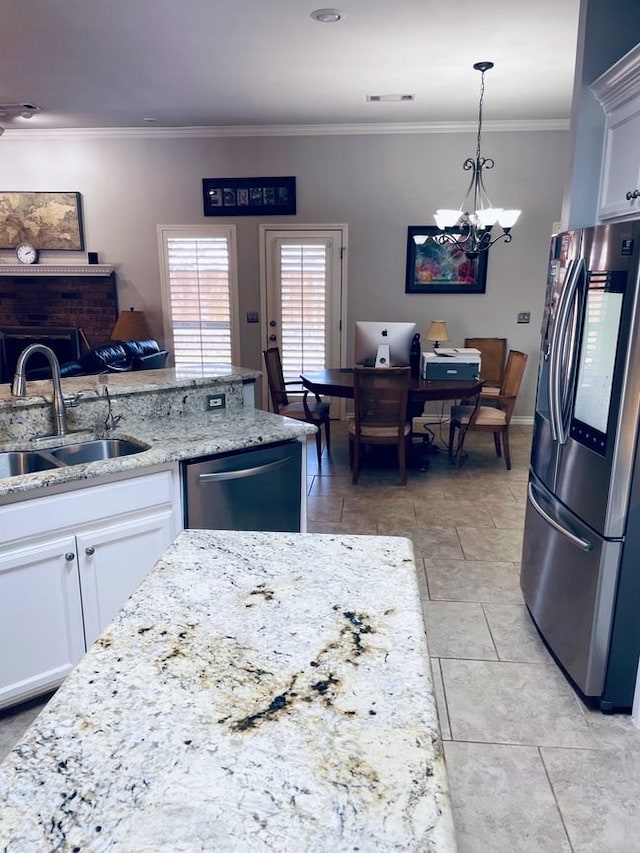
[19, 388]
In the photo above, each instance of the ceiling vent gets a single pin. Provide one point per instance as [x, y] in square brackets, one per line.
[389, 98]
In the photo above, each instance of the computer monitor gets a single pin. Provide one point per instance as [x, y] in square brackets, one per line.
[370, 336]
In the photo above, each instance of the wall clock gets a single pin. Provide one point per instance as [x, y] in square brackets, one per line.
[27, 254]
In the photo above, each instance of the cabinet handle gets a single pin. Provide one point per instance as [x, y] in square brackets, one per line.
[69, 556]
[90, 551]
[633, 194]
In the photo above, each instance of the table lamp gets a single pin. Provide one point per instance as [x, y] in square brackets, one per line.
[131, 325]
[437, 332]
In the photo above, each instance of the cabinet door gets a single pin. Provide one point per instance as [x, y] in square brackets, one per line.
[621, 163]
[41, 634]
[113, 560]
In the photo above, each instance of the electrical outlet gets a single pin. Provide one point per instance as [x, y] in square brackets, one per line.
[216, 401]
[524, 317]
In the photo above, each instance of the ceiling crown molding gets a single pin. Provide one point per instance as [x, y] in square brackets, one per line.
[620, 82]
[355, 129]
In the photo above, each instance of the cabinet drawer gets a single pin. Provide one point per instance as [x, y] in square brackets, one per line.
[73, 509]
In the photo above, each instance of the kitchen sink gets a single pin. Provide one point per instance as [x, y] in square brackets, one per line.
[16, 462]
[13, 463]
[95, 451]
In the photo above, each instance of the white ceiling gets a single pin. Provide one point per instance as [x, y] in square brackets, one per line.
[214, 63]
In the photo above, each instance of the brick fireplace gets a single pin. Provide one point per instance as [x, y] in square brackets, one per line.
[69, 308]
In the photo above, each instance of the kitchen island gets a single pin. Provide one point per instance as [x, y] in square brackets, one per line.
[258, 692]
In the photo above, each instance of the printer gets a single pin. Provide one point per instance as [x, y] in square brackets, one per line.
[451, 363]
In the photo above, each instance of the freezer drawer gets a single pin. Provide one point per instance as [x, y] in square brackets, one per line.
[246, 490]
[568, 578]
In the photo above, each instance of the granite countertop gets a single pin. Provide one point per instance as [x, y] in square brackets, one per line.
[128, 382]
[170, 436]
[258, 692]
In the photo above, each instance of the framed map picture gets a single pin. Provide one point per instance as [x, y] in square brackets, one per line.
[47, 220]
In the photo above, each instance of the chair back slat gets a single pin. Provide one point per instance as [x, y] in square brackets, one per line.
[275, 378]
[513, 373]
[493, 353]
[380, 396]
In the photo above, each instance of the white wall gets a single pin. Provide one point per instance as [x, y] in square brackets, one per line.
[378, 184]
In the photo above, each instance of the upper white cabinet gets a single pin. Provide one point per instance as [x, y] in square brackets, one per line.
[618, 90]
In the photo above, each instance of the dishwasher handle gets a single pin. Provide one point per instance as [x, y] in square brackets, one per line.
[244, 473]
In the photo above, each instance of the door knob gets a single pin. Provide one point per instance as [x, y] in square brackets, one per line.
[69, 556]
[273, 337]
[272, 323]
[632, 194]
[90, 551]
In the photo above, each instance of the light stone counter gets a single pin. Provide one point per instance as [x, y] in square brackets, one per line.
[156, 407]
[259, 692]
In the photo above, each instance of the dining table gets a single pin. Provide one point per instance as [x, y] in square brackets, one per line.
[338, 382]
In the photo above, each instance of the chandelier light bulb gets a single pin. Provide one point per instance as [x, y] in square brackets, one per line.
[508, 218]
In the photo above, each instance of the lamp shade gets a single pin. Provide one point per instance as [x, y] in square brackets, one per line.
[437, 331]
[131, 325]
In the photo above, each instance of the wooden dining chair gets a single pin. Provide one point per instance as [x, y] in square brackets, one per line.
[493, 356]
[314, 411]
[494, 418]
[380, 414]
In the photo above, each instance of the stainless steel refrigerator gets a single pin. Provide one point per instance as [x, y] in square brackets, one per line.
[580, 570]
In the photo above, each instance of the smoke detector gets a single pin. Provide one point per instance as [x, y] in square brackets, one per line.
[327, 16]
[9, 111]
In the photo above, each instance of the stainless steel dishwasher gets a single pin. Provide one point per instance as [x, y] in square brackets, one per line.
[245, 490]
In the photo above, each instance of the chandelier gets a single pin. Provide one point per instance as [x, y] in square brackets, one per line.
[469, 227]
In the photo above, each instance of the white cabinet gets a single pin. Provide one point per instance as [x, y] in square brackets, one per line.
[113, 560]
[618, 90]
[68, 563]
[41, 634]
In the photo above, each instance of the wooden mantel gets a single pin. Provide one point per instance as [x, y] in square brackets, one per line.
[55, 269]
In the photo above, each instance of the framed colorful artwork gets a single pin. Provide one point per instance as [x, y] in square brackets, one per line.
[441, 267]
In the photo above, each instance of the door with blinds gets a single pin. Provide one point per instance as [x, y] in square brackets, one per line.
[199, 291]
[303, 296]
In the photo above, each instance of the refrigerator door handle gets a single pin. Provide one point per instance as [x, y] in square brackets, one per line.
[551, 354]
[559, 344]
[581, 543]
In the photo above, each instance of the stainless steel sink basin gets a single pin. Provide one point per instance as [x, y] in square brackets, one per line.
[95, 451]
[16, 462]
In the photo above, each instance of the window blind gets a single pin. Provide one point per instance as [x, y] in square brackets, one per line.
[198, 271]
[303, 281]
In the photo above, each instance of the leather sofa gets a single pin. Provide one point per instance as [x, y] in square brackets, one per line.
[116, 357]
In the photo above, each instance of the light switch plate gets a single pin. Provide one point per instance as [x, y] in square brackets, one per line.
[524, 317]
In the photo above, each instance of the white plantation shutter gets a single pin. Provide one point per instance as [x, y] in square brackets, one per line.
[303, 278]
[199, 277]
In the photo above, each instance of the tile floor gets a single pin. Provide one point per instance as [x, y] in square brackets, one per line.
[531, 770]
